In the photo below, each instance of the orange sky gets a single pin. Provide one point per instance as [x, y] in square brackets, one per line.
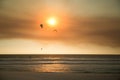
[83, 27]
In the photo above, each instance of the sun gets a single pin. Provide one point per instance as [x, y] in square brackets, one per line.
[52, 21]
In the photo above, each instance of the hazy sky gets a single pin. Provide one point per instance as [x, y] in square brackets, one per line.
[84, 26]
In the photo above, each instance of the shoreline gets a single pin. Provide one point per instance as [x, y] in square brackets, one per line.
[62, 54]
[15, 75]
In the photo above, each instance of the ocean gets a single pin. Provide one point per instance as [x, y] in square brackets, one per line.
[103, 64]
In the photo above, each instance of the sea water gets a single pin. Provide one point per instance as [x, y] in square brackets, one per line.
[61, 63]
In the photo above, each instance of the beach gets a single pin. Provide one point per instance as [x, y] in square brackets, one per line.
[6, 75]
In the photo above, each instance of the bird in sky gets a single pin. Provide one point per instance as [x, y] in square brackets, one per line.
[41, 25]
[55, 30]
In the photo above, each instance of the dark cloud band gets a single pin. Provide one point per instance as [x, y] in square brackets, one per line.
[101, 31]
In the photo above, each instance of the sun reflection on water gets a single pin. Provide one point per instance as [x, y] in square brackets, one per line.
[55, 67]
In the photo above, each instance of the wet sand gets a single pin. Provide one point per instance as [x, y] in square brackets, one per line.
[6, 75]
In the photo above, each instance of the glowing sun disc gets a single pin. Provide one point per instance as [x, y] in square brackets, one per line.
[52, 21]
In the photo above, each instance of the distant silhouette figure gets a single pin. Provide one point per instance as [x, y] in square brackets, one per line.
[41, 49]
[41, 25]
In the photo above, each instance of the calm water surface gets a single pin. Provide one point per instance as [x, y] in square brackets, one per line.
[61, 63]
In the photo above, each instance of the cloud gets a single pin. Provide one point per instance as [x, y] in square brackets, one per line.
[100, 31]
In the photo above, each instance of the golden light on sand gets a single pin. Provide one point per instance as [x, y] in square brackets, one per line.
[52, 21]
